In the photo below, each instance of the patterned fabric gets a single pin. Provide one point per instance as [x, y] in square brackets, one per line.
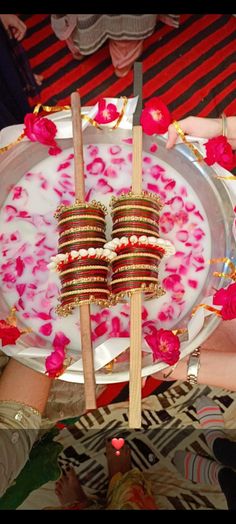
[89, 32]
[130, 491]
[169, 423]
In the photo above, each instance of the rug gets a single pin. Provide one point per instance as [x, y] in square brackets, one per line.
[168, 423]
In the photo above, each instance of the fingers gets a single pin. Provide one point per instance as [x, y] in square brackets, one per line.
[172, 137]
[14, 25]
[18, 29]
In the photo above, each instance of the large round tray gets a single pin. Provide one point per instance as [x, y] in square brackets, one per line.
[215, 201]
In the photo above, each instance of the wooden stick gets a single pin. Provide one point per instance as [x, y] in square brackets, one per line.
[136, 304]
[85, 322]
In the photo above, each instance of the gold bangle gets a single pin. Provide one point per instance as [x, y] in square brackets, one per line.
[78, 217]
[83, 291]
[136, 255]
[129, 279]
[224, 125]
[145, 208]
[82, 268]
[77, 240]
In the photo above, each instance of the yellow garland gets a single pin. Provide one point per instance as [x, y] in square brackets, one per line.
[231, 266]
[180, 132]
[55, 109]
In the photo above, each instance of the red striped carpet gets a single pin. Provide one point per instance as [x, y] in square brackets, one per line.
[193, 69]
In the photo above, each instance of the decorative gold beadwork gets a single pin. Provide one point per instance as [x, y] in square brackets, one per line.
[144, 195]
[93, 204]
[135, 229]
[78, 229]
[135, 219]
[83, 281]
[135, 266]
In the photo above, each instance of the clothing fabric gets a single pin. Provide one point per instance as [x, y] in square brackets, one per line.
[130, 490]
[13, 99]
[85, 34]
[19, 428]
[126, 491]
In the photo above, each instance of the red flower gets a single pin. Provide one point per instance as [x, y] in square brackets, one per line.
[227, 299]
[106, 113]
[165, 346]
[43, 130]
[219, 150]
[8, 333]
[155, 117]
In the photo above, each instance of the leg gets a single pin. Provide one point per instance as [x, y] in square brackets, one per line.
[123, 54]
[117, 464]
[128, 488]
[212, 421]
[196, 468]
[69, 490]
[74, 49]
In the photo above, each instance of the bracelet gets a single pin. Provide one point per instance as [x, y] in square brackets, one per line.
[193, 367]
[224, 125]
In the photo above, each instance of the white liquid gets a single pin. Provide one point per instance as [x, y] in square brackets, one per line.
[31, 240]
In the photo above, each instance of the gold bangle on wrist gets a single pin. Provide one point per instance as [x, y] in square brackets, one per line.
[224, 125]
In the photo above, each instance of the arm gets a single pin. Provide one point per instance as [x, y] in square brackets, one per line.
[24, 385]
[14, 24]
[23, 397]
[204, 128]
[217, 369]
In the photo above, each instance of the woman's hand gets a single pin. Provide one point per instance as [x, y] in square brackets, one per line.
[14, 25]
[195, 126]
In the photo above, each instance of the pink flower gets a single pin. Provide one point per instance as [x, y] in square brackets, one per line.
[60, 341]
[55, 362]
[164, 345]
[155, 117]
[219, 150]
[43, 130]
[106, 112]
[227, 299]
